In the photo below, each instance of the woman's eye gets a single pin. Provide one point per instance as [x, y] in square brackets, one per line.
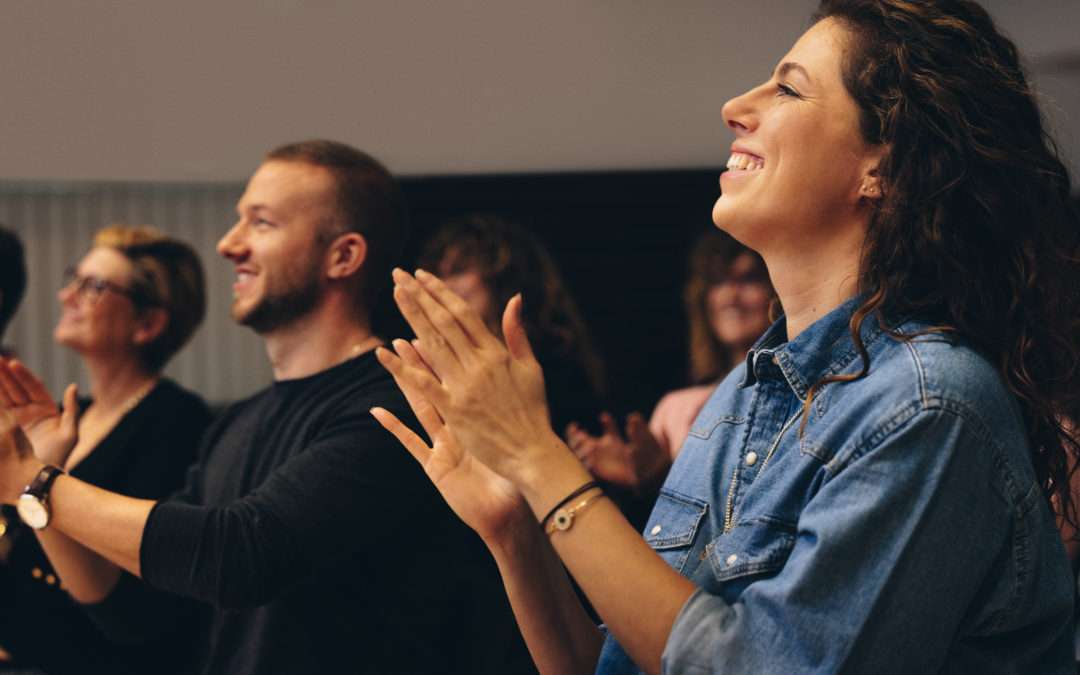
[785, 90]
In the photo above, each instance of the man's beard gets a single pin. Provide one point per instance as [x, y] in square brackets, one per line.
[284, 306]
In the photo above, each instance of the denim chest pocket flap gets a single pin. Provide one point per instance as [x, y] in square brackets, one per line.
[759, 547]
[674, 521]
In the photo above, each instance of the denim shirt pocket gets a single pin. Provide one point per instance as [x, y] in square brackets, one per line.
[673, 525]
[750, 551]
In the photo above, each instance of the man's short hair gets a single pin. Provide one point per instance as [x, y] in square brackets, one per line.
[12, 276]
[369, 201]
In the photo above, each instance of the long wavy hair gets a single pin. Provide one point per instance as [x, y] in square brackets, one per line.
[976, 229]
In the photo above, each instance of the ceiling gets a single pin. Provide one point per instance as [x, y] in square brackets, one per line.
[197, 91]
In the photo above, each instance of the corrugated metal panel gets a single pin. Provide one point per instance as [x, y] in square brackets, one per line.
[57, 222]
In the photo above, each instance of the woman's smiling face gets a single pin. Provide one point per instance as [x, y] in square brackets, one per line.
[798, 161]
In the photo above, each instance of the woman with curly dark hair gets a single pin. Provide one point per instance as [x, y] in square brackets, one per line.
[872, 491]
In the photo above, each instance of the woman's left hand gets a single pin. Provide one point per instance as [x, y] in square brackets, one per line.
[490, 395]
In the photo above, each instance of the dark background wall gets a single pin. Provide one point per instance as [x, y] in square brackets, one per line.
[619, 238]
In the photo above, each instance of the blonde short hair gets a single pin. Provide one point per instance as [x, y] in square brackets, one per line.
[166, 274]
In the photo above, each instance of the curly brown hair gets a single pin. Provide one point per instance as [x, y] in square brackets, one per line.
[976, 229]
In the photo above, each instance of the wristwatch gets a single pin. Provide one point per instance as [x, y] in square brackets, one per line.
[33, 505]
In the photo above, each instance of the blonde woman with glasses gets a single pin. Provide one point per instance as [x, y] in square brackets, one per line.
[128, 306]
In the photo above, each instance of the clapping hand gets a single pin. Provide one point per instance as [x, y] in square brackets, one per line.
[52, 433]
[484, 500]
[636, 462]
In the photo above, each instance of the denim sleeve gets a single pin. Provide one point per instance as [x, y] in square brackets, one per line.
[891, 555]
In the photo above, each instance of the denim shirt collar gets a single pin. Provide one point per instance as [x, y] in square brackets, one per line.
[824, 348]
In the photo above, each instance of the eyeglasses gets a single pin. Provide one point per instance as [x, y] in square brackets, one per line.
[90, 287]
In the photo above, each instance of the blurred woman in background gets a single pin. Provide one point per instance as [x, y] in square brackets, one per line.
[727, 298]
[487, 260]
[131, 303]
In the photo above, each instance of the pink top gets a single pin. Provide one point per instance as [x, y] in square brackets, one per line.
[674, 414]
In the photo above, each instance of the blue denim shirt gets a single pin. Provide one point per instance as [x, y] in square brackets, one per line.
[901, 532]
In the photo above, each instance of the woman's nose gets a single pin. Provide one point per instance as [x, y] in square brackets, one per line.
[740, 113]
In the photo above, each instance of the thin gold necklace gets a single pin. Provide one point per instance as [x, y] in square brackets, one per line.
[358, 348]
[137, 397]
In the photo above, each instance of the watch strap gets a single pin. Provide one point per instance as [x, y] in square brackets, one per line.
[43, 481]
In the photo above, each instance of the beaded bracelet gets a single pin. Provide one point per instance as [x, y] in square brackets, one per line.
[581, 490]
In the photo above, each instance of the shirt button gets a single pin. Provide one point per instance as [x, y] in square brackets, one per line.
[50, 579]
[36, 573]
[751, 458]
[732, 558]
[656, 530]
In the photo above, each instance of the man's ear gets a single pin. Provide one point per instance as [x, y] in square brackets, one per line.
[150, 325]
[346, 255]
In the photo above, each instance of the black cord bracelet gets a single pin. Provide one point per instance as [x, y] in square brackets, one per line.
[581, 490]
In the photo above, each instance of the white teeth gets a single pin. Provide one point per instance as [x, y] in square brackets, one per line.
[739, 160]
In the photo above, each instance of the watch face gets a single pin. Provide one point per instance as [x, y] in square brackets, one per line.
[32, 511]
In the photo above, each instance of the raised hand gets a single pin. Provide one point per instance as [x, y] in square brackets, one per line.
[491, 395]
[51, 432]
[636, 462]
[15, 454]
[606, 456]
[485, 501]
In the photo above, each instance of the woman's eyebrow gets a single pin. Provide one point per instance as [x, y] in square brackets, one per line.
[786, 68]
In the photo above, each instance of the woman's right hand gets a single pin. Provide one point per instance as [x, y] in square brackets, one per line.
[52, 433]
[485, 501]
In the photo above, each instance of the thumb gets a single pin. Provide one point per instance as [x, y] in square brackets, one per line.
[69, 416]
[514, 331]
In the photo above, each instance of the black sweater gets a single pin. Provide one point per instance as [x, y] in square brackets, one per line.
[323, 545]
[145, 455]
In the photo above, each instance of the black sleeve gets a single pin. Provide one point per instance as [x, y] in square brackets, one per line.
[304, 517]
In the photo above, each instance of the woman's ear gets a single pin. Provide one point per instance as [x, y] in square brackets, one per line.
[346, 255]
[150, 324]
[871, 187]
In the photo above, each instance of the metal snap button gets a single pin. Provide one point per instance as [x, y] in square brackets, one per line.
[656, 530]
[732, 558]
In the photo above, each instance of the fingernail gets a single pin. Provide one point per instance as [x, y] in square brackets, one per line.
[423, 276]
[399, 343]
